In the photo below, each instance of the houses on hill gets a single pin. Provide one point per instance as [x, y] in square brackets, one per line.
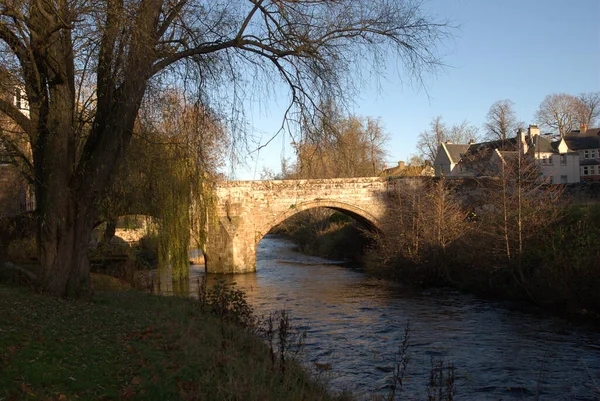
[570, 159]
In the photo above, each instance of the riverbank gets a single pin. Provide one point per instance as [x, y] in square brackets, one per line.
[127, 344]
[557, 267]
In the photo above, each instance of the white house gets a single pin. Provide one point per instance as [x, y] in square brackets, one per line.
[586, 142]
[558, 163]
[447, 160]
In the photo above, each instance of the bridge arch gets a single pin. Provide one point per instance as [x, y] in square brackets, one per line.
[357, 213]
[247, 210]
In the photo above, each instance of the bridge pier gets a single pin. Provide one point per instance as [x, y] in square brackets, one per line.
[229, 251]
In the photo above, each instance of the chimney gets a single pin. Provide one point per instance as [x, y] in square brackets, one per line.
[471, 141]
[582, 129]
[533, 131]
[449, 142]
[400, 165]
[522, 142]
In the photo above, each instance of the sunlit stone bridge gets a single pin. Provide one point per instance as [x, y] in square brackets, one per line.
[247, 210]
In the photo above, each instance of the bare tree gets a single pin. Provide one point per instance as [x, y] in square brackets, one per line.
[429, 140]
[463, 133]
[520, 205]
[501, 120]
[86, 67]
[559, 112]
[347, 147]
[588, 108]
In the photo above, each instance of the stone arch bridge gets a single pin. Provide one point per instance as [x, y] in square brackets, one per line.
[247, 210]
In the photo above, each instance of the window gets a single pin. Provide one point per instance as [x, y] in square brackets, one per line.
[550, 160]
[551, 180]
[586, 154]
[594, 153]
[585, 170]
[592, 170]
[543, 159]
[563, 160]
[563, 179]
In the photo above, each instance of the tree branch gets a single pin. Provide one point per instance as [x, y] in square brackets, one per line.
[19, 118]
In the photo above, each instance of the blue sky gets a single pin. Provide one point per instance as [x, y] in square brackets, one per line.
[520, 50]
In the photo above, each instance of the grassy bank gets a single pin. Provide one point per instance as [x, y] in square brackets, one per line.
[132, 345]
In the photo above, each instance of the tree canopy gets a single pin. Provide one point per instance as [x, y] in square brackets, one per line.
[339, 147]
[563, 112]
[86, 67]
[501, 122]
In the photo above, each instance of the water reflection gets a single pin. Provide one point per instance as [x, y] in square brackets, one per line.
[355, 324]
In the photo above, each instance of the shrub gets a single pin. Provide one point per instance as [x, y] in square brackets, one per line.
[22, 250]
[229, 303]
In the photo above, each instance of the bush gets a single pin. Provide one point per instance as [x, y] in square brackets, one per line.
[229, 303]
[22, 250]
[147, 254]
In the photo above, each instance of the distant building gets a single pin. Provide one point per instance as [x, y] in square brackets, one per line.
[557, 162]
[409, 170]
[586, 142]
[447, 160]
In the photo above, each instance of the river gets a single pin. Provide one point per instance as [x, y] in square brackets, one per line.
[355, 325]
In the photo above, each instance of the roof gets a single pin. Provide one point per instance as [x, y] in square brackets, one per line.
[585, 141]
[507, 144]
[589, 132]
[455, 151]
[541, 144]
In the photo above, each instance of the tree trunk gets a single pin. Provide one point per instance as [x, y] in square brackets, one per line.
[64, 237]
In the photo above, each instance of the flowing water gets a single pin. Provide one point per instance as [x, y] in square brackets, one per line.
[355, 324]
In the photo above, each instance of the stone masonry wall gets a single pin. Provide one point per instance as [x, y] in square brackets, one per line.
[247, 210]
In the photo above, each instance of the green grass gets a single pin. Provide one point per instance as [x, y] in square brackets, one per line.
[131, 345]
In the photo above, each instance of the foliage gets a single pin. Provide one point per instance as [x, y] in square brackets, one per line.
[325, 233]
[441, 381]
[230, 304]
[427, 217]
[22, 250]
[169, 174]
[401, 365]
[340, 147]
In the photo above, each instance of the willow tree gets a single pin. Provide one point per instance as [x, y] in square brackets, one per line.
[189, 147]
[102, 56]
[172, 163]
